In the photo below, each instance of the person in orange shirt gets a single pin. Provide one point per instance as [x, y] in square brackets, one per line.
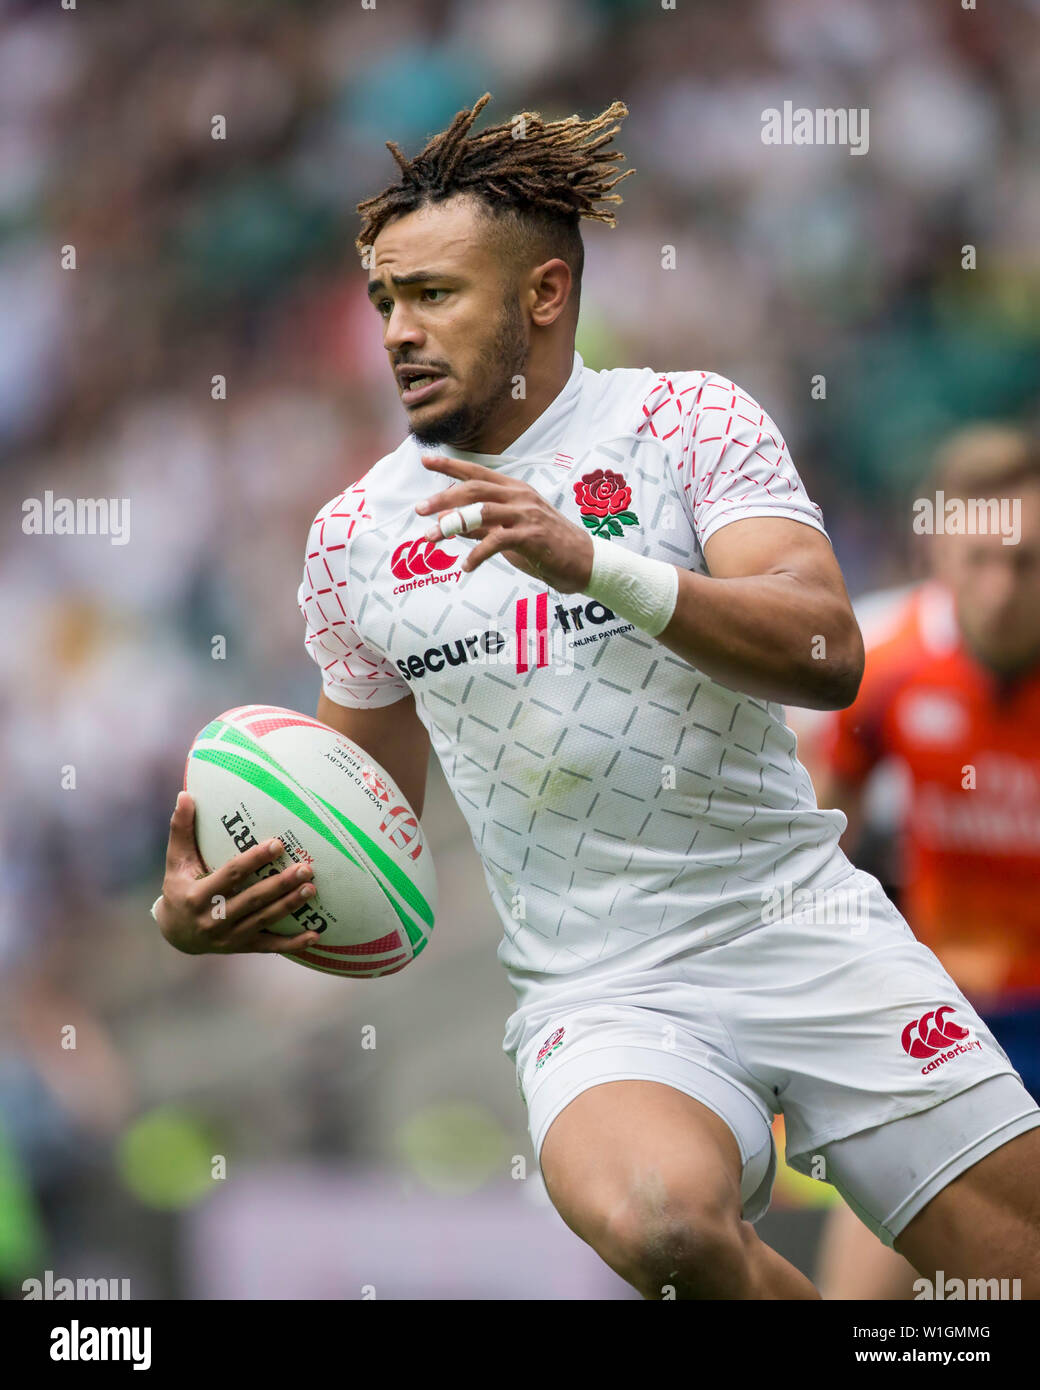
[951, 693]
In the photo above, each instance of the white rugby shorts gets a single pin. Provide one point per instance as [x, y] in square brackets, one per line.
[833, 1014]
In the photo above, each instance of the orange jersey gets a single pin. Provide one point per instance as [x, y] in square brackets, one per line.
[970, 746]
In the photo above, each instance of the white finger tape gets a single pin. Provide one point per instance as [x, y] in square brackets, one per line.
[461, 522]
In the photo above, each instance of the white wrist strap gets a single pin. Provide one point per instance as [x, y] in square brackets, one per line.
[155, 906]
[643, 591]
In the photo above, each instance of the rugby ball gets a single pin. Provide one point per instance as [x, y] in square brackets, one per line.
[258, 772]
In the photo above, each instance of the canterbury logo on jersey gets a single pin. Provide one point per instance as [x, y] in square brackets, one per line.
[423, 563]
[936, 1036]
[532, 639]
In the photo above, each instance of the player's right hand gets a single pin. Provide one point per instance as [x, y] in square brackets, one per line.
[211, 913]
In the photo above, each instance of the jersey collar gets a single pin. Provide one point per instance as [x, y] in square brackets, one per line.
[546, 434]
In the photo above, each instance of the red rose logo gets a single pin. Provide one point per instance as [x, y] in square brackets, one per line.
[603, 498]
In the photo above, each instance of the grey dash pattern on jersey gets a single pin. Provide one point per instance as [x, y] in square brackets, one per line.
[614, 793]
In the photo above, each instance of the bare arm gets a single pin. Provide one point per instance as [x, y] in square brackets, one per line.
[773, 618]
[392, 735]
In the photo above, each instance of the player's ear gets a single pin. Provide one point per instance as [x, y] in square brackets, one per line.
[549, 291]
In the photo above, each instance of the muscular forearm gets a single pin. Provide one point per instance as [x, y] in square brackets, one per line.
[768, 635]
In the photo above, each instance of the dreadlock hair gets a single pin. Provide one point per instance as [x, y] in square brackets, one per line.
[537, 178]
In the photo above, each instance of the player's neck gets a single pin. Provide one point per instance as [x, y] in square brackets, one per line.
[542, 383]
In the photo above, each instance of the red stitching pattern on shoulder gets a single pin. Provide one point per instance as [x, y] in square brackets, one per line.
[723, 412]
[676, 405]
[330, 630]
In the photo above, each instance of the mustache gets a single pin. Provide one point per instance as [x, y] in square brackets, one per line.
[412, 362]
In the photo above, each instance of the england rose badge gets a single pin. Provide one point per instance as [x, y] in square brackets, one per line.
[603, 498]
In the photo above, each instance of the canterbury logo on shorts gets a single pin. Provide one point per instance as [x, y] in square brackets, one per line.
[935, 1035]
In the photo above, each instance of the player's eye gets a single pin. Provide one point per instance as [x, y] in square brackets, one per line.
[433, 291]
[383, 307]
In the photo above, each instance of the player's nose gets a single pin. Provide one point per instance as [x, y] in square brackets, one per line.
[402, 330]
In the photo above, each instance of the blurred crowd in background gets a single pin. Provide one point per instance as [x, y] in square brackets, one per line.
[197, 257]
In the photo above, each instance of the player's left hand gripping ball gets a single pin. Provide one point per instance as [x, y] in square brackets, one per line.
[514, 520]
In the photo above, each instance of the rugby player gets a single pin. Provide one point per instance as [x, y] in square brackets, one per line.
[591, 593]
[952, 692]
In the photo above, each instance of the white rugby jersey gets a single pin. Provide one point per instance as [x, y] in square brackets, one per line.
[614, 792]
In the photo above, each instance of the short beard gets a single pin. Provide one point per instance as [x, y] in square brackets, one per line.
[505, 357]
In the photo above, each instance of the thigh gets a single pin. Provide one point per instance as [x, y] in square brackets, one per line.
[650, 1177]
[962, 1156]
[618, 1092]
[985, 1223]
[624, 1151]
